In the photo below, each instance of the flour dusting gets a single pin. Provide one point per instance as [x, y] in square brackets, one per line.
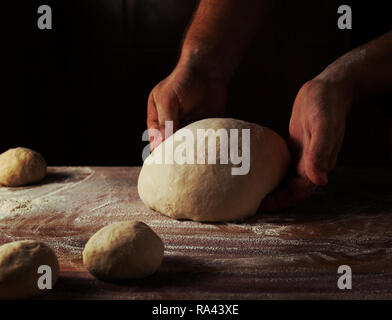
[36, 199]
[20, 206]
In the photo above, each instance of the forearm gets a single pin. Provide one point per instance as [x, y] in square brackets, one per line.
[220, 34]
[366, 70]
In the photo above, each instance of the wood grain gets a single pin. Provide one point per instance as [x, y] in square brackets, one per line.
[293, 254]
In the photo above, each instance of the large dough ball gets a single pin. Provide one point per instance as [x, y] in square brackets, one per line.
[19, 263]
[123, 250]
[21, 166]
[210, 192]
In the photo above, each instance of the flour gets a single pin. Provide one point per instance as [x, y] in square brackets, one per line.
[267, 229]
[20, 206]
[18, 202]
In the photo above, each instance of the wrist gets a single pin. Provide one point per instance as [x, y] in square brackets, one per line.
[340, 75]
[339, 92]
[204, 61]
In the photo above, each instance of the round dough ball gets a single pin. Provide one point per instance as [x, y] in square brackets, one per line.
[123, 250]
[20, 167]
[19, 263]
[210, 192]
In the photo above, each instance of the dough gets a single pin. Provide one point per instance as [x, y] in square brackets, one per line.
[209, 192]
[19, 263]
[21, 166]
[123, 250]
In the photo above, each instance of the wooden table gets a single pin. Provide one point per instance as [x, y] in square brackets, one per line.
[288, 255]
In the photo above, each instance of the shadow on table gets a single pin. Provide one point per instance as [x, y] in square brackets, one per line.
[350, 192]
[56, 177]
[174, 272]
[53, 177]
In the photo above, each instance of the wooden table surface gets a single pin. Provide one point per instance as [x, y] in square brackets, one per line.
[293, 254]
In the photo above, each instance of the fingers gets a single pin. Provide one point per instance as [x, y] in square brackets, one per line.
[308, 171]
[316, 129]
[153, 123]
[311, 170]
[321, 153]
[159, 111]
[168, 109]
[291, 192]
[316, 165]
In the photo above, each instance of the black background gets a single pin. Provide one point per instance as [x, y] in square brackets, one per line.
[78, 93]
[143, 309]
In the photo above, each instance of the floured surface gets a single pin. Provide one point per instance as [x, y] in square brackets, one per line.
[291, 254]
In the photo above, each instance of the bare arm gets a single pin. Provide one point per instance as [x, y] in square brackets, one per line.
[220, 33]
[365, 70]
[318, 119]
[218, 36]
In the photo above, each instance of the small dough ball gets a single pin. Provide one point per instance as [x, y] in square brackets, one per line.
[210, 192]
[123, 250]
[20, 167]
[19, 263]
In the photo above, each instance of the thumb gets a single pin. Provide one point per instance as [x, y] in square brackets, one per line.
[153, 124]
[316, 165]
[318, 154]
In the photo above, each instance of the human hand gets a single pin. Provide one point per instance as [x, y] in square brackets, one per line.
[316, 132]
[186, 95]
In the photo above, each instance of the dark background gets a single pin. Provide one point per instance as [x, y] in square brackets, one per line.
[78, 93]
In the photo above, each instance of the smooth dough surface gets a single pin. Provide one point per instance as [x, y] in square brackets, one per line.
[123, 250]
[209, 192]
[19, 263]
[21, 166]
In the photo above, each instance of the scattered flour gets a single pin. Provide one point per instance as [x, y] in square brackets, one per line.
[15, 202]
[20, 206]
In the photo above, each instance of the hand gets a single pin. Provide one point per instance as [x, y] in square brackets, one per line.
[186, 95]
[317, 127]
